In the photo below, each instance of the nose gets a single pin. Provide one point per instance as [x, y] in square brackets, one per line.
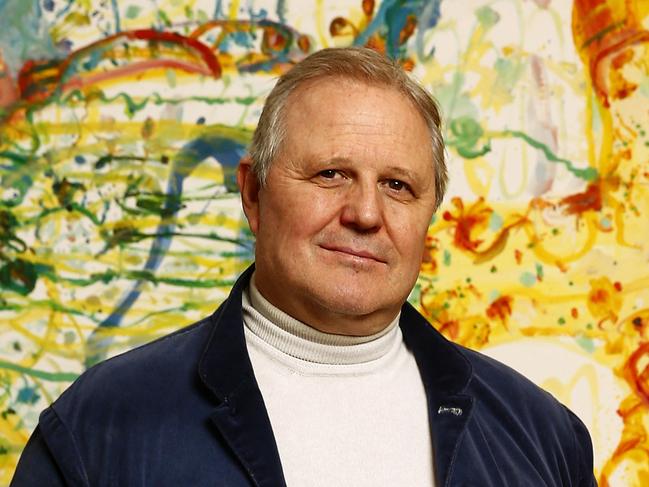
[363, 210]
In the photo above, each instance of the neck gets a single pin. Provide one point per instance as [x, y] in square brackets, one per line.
[324, 319]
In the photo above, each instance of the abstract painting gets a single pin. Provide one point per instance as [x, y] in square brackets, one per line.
[122, 123]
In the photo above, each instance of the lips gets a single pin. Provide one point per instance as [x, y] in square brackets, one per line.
[365, 254]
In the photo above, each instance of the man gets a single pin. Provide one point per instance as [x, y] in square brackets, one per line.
[314, 372]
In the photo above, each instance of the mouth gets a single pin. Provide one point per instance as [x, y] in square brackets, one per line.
[361, 254]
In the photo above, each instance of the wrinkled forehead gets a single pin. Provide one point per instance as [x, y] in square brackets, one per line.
[352, 104]
[346, 86]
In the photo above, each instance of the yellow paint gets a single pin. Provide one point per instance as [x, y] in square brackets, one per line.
[233, 13]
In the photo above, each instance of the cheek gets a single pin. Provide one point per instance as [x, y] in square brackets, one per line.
[300, 214]
[408, 229]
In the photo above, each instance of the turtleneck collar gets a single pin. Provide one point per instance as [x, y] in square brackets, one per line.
[298, 340]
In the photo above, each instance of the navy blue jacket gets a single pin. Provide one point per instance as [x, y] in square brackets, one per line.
[186, 410]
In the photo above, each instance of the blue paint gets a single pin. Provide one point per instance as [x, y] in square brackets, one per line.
[606, 223]
[218, 10]
[228, 152]
[493, 295]
[428, 18]
[118, 23]
[280, 10]
[527, 279]
[495, 222]
[393, 14]
[27, 395]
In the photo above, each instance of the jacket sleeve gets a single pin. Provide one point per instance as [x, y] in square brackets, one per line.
[37, 466]
[51, 456]
[584, 451]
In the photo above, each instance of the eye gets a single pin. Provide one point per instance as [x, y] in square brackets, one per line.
[396, 185]
[328, 173]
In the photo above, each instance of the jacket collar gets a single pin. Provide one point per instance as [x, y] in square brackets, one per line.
[446, 373]
[241, 415]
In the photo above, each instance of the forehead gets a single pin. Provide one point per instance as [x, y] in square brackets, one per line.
[335, 113]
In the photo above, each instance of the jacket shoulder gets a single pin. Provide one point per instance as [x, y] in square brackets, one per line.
[140, 380]
[515, 418]
[496, 381]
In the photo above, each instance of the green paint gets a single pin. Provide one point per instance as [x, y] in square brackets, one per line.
[447, 258]
[137, 275]
[170, 74]
[162, 15]
[19, 276]
[39, 374]
[466, 133]
[600, 35]
[586, 343]
[470, 140]
[487, 16]
[415, 295]
[202, 16]
[588, 174]
[132, 11]
[509, 72]
[454, 102]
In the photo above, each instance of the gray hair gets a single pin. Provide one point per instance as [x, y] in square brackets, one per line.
[358, 64]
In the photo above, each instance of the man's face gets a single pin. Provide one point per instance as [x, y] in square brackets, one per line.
[341, 222]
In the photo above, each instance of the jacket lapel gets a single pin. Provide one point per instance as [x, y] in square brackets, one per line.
[445, 373]
[241, 415]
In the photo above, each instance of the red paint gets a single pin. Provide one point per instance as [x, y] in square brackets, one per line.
[501, 309]
[578, 203]
[38, 80]
[601, 30]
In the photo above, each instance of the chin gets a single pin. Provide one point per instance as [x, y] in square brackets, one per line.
[354, 303]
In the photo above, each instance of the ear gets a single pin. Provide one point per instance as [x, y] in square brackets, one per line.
[249, 188]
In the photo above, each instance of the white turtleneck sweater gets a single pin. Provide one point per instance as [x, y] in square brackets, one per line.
[345, 411]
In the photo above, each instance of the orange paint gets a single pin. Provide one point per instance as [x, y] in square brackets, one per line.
[467, 222]
[589, 200]
[340, 26]
[450, 328]
[518, 255]
[408, 29]
[273, 40]
[368, 7]
[604, 300]
[602, 29]
[501, 309]
[304, 43]
[637, 371]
